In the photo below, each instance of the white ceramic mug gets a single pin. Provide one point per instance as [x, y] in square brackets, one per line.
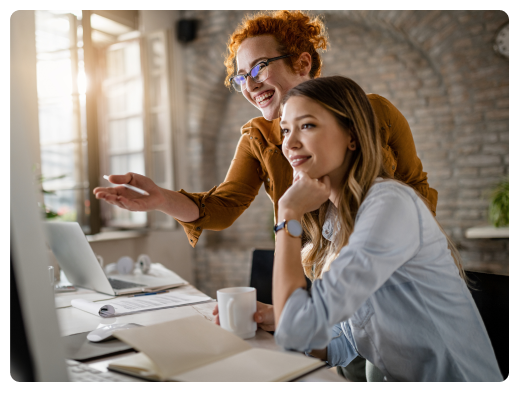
[236, 308]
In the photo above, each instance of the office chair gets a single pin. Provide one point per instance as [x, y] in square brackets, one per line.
[491, 297]
[261, 275]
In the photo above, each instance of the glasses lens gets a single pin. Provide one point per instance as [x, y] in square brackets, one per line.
[259, 73]
[238, 81]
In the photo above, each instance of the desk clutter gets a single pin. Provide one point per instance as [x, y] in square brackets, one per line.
[138, 303]
[194, 349]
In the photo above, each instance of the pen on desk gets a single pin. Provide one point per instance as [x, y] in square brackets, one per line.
[149, 293]
[142, 192]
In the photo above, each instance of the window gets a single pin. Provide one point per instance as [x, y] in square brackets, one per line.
[123, 120]
[132, 124]
[61, 85]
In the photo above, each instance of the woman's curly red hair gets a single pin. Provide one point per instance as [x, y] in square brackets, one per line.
[295, 32]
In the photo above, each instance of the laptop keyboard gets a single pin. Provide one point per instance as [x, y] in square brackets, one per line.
[119, 284]
[79, 372]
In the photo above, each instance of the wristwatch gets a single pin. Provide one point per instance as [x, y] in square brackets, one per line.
[292, 227]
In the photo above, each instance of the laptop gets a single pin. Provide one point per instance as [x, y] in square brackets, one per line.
[79, 263]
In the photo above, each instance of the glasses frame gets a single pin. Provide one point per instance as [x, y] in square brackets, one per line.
[266, 62]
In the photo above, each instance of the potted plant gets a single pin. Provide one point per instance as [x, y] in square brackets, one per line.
[498, 207]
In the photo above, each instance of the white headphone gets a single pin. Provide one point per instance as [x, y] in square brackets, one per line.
[126, 265]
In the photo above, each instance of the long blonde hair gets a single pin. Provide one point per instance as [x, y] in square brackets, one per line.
[350, 106]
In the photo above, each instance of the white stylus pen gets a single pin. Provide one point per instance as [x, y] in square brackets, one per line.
[142, 192]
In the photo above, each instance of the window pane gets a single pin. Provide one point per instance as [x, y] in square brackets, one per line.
[133, 92]
[132, 59]
[127, 163]
[116, 134]
[135, 134]
[127, 218]
[56, 119]
[54, 75]
[115, 95]
[52, 31]
[126, 134]
[115, 63]
[63, 203]
[56, 161]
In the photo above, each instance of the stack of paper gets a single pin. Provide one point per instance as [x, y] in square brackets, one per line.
[131, 305]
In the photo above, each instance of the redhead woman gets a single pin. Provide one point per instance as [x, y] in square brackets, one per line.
[268, 54]
[385, 282]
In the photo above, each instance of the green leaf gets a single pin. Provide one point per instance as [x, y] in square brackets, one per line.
[498, 210]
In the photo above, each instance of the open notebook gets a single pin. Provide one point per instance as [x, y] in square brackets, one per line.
[194, 349]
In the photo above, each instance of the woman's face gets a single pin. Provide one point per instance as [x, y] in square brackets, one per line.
[313, 140]
[266, 95]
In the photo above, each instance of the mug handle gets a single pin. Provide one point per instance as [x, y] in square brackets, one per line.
[230, 313]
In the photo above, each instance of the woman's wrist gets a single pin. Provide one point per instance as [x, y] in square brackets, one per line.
[285, 213]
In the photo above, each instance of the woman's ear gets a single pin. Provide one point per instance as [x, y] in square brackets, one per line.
[352, 145]
[304, 64]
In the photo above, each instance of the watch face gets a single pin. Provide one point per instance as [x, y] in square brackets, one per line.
[295, 228]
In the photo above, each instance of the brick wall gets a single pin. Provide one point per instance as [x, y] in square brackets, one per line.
[437, 67]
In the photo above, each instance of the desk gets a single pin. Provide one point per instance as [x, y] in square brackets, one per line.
[73, 320]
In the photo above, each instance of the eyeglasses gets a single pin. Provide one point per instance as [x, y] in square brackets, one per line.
[258, 73]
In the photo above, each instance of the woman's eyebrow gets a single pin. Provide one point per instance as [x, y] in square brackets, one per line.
[298, 118]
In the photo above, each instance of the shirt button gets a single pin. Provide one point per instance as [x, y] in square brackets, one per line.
[250, 137]
[197, 228]
[203, 205]
[268, 180]
[393, 167]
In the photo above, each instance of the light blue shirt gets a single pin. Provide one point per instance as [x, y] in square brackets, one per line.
[394, 296]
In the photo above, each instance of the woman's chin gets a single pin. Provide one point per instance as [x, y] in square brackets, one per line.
[269, 113]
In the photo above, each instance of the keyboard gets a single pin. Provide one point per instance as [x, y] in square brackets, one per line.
[79, 372]
[120, 284]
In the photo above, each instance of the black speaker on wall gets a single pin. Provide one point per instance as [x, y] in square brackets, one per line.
[186, 30]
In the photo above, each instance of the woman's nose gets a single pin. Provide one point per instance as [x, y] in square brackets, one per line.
[250, 84]
[291, 141]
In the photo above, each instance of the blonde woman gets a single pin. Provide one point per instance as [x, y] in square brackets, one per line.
[385, 282]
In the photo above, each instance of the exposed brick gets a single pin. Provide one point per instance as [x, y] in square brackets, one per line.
[479, 160]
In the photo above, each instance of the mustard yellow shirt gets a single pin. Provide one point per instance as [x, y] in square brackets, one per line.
[259, 160]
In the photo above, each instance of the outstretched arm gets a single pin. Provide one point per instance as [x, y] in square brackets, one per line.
[170, 202]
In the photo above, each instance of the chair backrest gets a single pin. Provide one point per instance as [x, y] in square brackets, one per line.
[491, 297]
[261, 275]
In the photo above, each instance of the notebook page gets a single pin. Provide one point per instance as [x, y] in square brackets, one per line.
[183, 344]
[254, 365]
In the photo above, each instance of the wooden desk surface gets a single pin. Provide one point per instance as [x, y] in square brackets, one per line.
[73, 320]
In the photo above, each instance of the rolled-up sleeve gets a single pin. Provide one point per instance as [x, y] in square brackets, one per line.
[340, 350]
[222, 205]
[387, 234]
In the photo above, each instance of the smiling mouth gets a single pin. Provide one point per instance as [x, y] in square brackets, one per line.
[299, 161]
[264, 99]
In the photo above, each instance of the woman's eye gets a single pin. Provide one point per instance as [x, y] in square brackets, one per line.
[308, 126]
[284, 131]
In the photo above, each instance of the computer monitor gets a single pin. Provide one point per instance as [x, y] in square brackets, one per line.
[37, 353]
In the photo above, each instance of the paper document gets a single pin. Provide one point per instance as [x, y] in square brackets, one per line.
[130, 305]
